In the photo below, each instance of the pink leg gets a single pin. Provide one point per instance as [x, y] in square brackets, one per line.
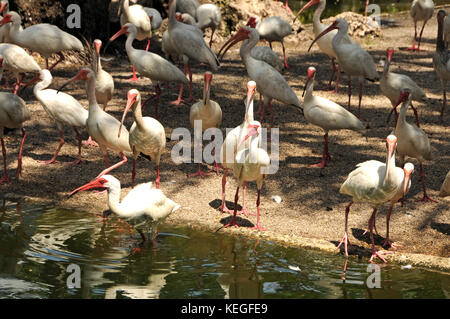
[416, 115]
[190, 97]
[233, 220]
[61, 58]
[180, 95]
[148, 45]
[325, 156]
[420, 37]
[78, 160]
[5, 178]
[387, 242]
[216, 166]
[284, 55]
[413, 48]
[134, 77]
[89, 142]
[199, 173]
[258, 224]
[333, 71]
[109, 169]
[375, 252]
[61, 143]
[360, 99]
[365, 10]
[444, 104]
[244, 209]
[425, 197]
[345, 240]
[19, 159]
[223, 207]
[157, 176]
[133, 173]
[212, 35]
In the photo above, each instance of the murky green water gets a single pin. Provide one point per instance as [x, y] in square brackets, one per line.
[38, 244]
[334, 7]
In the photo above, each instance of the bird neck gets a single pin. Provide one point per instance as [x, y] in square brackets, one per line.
[386, 68]
[129, 43]
[43, 84]
[96, 63]
[137, 113]
[249, 112]
[339, 36]
[90, 88]
[14, 30]
[248, 45]
[402, 115]
[114, 199]
[317, 15]
[172, 12]
[126, 9]
[206, 96]
[253, 149]
[309, 89]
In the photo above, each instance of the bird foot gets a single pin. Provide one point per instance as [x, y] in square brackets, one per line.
[133, 79]
[89, 142]
[232, 223]
[199, 173]
[4, 179]
[389, 244]
[177, 102]
[52, 161]
[259, 227]
[245, 212]
[224, 209]
[320, 165]
[379, 254]
[216, 168]
[346, 243]
[75, 162]
[426, 199]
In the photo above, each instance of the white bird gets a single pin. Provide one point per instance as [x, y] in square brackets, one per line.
[13, 113]
[269, 81]
[272, 29]
[146, 136]
[169, 48]
[18, 61]
[421, 10]
[187, 6]
[231, 145]
[445, 188]
[209, 113]
[4, 29]
[325, 42]
[63, 108]
[208, 16]
[353, 59]
[188, 41]
[327, 115]
[144, 206]
[403, 180]
[374, 183]
[249, 166]
[155, 18]
[412, 141]
[101, 126]
[392, 83]
[43, 38]
[441, 60]
[136, 15]
[149, 64]
[104, 85]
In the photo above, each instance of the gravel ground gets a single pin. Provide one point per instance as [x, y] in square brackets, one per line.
[312, 209]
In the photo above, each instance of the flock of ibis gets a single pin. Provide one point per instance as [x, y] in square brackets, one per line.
[241, 152]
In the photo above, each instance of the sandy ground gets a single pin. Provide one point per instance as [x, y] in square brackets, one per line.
[312, 209]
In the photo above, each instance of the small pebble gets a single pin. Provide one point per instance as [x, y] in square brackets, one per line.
[294, 268]
[277, 199]
[406, 267]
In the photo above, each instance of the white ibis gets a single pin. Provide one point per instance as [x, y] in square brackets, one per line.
[353, 59]
[150, 64]
[273, 29]
[155, 18]
[374, 183]
[169, 48]
[187, 6]
[144, 206]
[13, 113]
[101, 126]
[17, 60]
[445, 188]
[43, 38]
[325, 42]
[146, 136]
[269, 81]
[209, 113]
[188, 41]
[231, 145]
[63, 108]
[208, 16]
[327, 115]
[104, 85]
[441, 61]
[4, 29]
[392, 83]
[412, 141]
[249, 166]
[421, 10]
[403, 186]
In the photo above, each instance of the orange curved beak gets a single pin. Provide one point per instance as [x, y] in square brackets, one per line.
[306, 6]
[130, 101]
[96, 183]
[240, 35]
[332, 27]
[78, 77]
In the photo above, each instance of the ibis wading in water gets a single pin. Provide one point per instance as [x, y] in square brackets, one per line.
[353, 59]
[13, 113]
[374, 183]
[101, 126]
[327, 115]
[146, 136]
[43, 38]
[144, 206]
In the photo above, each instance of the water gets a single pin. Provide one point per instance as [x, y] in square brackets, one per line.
[334, 7]
[39, 243]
